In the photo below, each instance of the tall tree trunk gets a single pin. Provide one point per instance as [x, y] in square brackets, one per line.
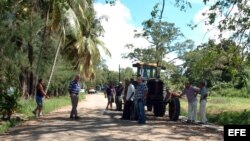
[42, 46]
[30, 52]
[54, 62]
[22, 81]
[31, 82]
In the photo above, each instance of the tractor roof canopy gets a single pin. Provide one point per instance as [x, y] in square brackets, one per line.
[149, 65]
[147, 70]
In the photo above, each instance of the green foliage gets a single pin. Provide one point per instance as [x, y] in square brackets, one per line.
[235, 118]
[110, 2]
[226, 89]
[219, 64]
[8, 124]
[50, 104]
[164, 38]
[27, 106]
[53, 103]
[235, 17]
[28, 41]
[9, 103]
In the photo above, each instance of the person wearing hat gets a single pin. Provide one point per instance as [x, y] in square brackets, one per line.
[118, 96]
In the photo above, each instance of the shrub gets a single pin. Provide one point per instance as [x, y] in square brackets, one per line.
[9, 103]
[239, 118]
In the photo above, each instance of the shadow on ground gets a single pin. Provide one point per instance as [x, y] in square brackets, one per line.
[104, 125]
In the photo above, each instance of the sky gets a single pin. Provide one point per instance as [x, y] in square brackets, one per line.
[127, 15]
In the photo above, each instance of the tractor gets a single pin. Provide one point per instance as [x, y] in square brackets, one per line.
[158, 94]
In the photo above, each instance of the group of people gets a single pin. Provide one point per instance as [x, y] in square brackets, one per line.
[191, 93]
[135, 99]
[136, 94]
[114, 94]
[74, 89]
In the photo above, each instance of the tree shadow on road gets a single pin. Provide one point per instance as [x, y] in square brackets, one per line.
[102, 125]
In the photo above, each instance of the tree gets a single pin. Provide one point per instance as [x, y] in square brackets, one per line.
[226, 15]
[76, 24]
[215, 62]
[163, 38]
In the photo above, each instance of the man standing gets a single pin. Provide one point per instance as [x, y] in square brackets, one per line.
[118, 97]
[74, 89]
[129, 101]
[191, 94]
[140, 99]
[203, 102]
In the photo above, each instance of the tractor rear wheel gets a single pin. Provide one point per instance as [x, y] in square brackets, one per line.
[174, 109]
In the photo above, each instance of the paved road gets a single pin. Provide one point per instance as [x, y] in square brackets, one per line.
[97, 124]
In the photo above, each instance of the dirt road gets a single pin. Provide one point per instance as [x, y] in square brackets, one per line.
[97, 124]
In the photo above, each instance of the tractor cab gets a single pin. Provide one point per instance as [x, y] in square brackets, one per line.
[148, 70]
[156, 99]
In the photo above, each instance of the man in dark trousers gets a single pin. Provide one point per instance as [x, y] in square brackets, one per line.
[127, 112]
[118, 97]
[74, 89]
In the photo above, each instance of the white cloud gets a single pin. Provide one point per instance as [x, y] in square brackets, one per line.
[119, 31]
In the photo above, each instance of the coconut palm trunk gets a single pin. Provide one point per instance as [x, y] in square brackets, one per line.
[55, 59]
[42, 46]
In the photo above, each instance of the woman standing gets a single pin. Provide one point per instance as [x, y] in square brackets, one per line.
[110, 92]
[40, 93]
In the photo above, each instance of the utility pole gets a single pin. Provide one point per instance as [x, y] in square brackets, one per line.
[119, 74]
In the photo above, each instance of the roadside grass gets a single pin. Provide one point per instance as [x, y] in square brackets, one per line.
[27, 106]
[231, 92]
[224, 110]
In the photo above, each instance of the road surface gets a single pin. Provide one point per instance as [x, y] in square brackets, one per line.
[98, 124]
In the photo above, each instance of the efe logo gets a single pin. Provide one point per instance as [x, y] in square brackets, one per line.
[236, 132]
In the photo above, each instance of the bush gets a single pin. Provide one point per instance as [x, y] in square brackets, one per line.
[239, 118]
[9, 103]
[232, 92]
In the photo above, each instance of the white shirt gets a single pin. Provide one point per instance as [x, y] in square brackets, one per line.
[131, 89]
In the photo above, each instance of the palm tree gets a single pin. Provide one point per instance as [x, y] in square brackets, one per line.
[79, 31]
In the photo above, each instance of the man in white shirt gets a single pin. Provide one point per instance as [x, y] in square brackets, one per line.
[129, 101]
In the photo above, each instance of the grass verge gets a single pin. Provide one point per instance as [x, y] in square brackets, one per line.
[27, 106]
[224, 110]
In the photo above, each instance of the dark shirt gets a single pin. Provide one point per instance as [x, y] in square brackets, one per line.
[119, 90]
[109, 90]
[39, 91]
